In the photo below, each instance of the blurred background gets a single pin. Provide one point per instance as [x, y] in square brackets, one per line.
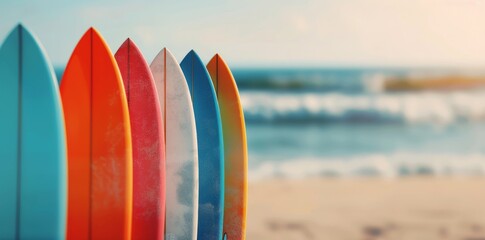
[365, 118]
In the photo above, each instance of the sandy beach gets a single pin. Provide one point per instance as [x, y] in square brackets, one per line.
[367, 209]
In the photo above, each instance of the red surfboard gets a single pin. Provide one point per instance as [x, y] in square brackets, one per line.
[148, 143]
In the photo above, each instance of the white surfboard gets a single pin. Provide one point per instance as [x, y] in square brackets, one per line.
[181, 148]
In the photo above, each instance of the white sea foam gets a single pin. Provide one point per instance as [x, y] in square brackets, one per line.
[387, 166]
[412, 107]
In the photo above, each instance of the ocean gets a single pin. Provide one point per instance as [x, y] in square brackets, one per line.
[342, 122]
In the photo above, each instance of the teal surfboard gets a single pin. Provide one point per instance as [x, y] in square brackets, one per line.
[32, 152]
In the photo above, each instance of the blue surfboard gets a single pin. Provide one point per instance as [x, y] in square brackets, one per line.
[210, 147]
[32, 152]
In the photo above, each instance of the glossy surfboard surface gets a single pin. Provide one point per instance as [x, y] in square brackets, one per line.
[210, 147]
[147, 137]
[33, 152]
[99, 143]
[235, 148]
[181, 148]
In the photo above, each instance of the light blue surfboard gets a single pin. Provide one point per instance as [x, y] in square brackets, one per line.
[32, 152]
[210, 147]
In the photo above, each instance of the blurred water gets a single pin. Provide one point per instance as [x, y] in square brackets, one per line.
[338, 122]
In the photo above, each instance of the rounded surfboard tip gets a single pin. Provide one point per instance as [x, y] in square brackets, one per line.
[169, 53]
[162, 54]
[91, 35]
[214, 60]
[124, 51]
[192, 52]
[94, 32]
[90, 30]
[191, 56]
[20, 26]
[88, 34]
[164, 49]
[128, 41]
[217, 60]
[28, 37]
[130, 44]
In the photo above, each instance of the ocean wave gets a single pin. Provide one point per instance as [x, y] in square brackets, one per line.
[373, 165]
[322, 80]
[407, 107]
[359, 80]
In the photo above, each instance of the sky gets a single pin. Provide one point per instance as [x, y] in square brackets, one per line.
[268, 33]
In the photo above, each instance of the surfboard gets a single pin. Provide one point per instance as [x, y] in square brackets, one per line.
[235, 148]
[148, 221]
[99, 143]
[33, 152]
[181, 148]
[210, 147]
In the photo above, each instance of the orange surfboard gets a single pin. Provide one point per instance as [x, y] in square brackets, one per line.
[98, 142]
[235, 149]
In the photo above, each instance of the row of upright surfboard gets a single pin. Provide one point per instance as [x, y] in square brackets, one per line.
[121, 149]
